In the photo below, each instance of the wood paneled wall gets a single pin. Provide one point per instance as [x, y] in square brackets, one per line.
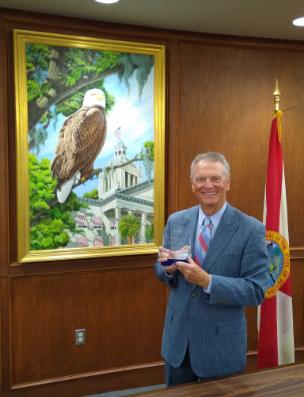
[219, 97]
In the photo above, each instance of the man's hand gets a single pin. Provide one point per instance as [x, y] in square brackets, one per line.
[163, 255]
[193, 273]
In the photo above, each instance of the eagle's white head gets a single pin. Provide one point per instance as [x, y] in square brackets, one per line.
[95, 96]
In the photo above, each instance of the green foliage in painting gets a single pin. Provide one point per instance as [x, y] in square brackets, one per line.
[129, 227]
[149, 232]
[93, 194]
[49, 220]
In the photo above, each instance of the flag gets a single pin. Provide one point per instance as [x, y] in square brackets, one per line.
[276, 337]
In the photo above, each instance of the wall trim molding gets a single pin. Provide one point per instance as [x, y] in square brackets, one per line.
[251, 367]
[88, 375]
[296, 253]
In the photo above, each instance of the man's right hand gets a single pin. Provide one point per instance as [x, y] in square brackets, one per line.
[163, 255]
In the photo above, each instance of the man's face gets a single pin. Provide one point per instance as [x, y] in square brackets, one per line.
[210, 185]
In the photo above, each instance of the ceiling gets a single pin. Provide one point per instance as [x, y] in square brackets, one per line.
[253, 18]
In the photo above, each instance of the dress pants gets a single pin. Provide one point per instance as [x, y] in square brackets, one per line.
[181, 374]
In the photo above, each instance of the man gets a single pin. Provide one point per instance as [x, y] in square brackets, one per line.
[205, 326]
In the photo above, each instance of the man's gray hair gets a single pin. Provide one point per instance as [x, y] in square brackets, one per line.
[211, 156]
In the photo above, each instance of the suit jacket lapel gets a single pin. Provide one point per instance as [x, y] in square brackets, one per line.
[226, 229]
[187, 226]
[191, 226]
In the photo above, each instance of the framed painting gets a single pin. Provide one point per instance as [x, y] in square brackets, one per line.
[90, 123]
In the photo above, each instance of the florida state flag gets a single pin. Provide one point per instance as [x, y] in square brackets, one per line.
[276, 338]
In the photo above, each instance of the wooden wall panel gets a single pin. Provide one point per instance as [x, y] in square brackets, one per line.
[4, 172]
[120, 310]
[4, 209]
[219, 97]
[297, 281]
[225, 105]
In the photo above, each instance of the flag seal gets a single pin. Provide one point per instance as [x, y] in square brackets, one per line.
[279, 270]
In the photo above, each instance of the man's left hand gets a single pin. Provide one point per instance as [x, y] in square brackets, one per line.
[194, 273]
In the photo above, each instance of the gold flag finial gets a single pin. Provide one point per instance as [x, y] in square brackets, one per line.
[276, 97]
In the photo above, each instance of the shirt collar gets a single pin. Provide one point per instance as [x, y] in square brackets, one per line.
[215, 218]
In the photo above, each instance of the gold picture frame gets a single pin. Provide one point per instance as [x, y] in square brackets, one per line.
[118, 208]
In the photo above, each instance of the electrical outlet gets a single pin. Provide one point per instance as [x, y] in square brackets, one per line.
[80, 336]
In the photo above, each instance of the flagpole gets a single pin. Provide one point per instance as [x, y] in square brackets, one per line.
[276, 97]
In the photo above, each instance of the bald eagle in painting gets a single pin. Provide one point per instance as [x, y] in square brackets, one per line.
[81, 139]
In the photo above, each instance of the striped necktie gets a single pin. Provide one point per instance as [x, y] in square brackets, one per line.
[202, 241]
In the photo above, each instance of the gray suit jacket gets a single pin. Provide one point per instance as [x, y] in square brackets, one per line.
[214, 326]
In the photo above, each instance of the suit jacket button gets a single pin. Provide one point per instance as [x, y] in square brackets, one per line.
[193, 294]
